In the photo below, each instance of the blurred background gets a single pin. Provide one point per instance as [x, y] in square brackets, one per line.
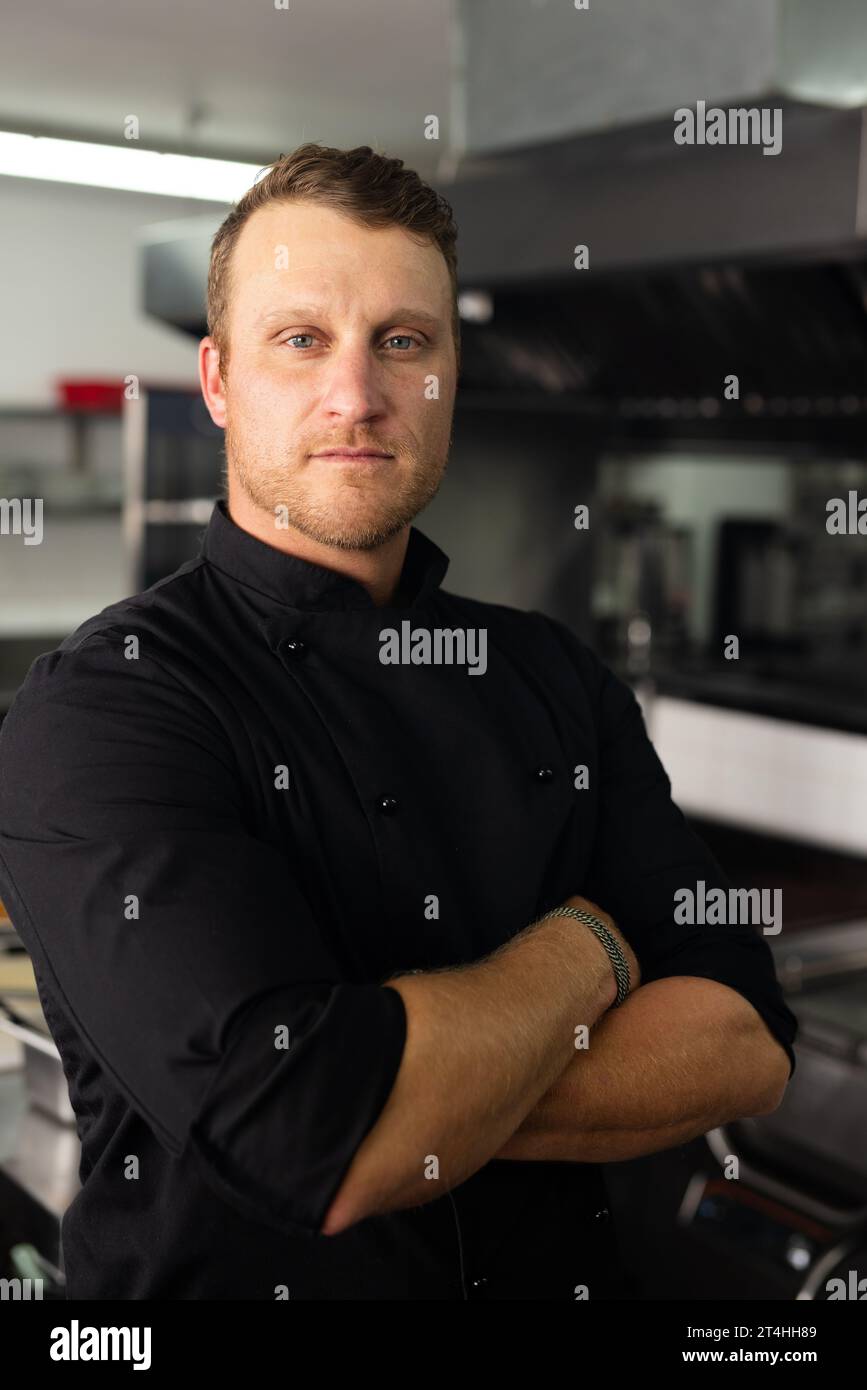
[696, 377]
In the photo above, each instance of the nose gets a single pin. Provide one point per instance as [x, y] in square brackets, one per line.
[354, 388]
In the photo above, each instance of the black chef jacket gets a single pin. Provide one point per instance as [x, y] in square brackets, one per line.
[222, 816]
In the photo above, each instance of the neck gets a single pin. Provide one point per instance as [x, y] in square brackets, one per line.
[378, 570]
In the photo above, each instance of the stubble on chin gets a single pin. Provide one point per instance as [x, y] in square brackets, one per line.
[357, 514]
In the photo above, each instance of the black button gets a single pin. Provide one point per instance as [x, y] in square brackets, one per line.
[293, 646]
[387, 805]
[544, 774]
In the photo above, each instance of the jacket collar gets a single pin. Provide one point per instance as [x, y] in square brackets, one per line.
[301, 584]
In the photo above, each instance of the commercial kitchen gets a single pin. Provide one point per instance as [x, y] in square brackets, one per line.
[660, 439]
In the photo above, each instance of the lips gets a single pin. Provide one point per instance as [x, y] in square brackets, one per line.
[353, 454]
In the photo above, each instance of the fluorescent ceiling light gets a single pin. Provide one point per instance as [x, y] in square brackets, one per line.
[114, 166]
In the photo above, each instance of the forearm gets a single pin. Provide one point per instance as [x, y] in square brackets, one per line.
[679, 1057]
[484, 1043]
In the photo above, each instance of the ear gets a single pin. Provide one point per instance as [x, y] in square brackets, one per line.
[211, 382]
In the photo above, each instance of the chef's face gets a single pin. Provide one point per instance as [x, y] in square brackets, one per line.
[339, 336]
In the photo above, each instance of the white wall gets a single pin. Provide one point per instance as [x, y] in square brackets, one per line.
[70, 288]
[70, 280]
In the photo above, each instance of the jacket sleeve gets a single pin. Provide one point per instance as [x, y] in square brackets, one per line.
[644, 851]
[178, 942]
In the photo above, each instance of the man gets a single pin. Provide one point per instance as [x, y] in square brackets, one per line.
[282, 885]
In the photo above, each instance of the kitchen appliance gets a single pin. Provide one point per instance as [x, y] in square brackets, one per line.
[771, 1207]
[21, 1018]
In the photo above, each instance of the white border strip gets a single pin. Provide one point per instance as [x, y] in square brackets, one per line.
[792, 780]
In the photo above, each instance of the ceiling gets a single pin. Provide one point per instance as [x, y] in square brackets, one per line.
[230, 77]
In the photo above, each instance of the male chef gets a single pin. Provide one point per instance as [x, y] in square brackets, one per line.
[351, 901]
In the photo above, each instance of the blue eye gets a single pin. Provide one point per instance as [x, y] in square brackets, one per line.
[407, 338]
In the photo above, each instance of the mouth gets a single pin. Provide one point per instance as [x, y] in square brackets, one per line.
[354, 455]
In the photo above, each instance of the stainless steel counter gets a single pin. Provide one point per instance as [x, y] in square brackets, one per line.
[39, 1160]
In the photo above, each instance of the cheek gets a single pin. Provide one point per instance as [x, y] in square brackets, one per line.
[434, 416]
[426, 400]
[262, 392]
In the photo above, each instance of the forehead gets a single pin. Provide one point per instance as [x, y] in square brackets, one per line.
[294, 248]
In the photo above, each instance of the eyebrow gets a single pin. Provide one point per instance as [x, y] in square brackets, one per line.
[403, 314]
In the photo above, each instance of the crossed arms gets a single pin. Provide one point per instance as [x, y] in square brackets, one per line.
[491, 1069]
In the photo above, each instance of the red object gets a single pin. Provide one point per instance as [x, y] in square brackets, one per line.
[89, 396]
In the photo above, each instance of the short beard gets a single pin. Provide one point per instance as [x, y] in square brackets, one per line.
[269, 488]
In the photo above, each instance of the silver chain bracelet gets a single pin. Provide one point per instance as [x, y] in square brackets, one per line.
[619, 962]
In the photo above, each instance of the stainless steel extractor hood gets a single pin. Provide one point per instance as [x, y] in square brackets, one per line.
[703, 260]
